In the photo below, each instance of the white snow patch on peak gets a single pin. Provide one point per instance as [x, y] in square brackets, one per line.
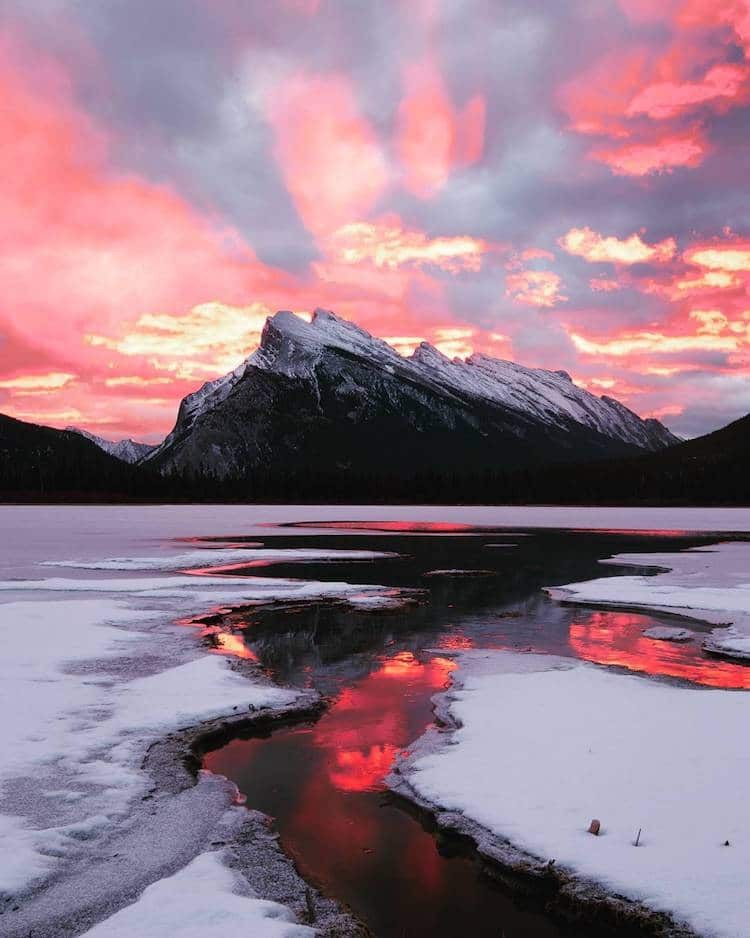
[127, 450]
[550, 396]
[290, 345]
[427, 354]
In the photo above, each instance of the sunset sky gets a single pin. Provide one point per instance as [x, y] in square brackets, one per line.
[560, 183]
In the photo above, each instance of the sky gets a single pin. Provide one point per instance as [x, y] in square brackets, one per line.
[561, 184]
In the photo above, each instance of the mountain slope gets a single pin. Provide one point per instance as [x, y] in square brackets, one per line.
[41, 460]
[127, 450]
[710, 470]
[327, 397]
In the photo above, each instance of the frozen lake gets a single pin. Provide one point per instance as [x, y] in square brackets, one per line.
[324, 585]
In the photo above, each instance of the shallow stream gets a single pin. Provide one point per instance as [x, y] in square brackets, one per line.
[323, 782]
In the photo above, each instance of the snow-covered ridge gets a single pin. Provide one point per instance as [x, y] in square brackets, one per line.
[127, 450]
[292, 346]
[550, 396]
[206, 397]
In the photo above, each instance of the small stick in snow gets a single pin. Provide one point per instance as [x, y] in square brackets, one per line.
[594, 827]
[638, 838]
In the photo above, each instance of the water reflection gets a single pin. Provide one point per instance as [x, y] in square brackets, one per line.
[397, 527]
[368, 723]
[616, 638]
[323, 784]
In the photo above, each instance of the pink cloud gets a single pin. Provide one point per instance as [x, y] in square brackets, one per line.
[661, 156]
[333, 165]
[688, 70]
[433, 136]
[722, 85]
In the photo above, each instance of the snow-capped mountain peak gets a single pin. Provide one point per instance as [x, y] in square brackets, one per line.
[127, 450]
[315, 387]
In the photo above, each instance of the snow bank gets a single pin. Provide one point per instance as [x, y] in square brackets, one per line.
[711, 584]
[545, 745]
[204, 900]
[207, 557]
[76, 719]
[93, 670]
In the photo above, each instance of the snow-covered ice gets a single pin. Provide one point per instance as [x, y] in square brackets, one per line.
[545, 745]
[75, 727]
[94, 669]
[668, 633]
[205, 899]
[208, 557]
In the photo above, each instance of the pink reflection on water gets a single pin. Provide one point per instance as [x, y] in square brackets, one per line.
[404, 527]
[367, 725]
[616, 638]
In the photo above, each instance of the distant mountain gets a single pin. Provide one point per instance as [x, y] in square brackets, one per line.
[127, 450]
[328, 397]
[42, 461]
[711, 468]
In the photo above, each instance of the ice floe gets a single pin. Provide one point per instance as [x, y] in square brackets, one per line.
[541, 746]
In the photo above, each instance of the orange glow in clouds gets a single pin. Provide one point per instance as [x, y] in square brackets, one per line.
[730, 257]
[534, 288]
[632, 250]
[388, 245]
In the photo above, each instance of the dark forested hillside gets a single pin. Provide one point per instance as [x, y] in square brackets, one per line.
[38, 463]
[42, 462]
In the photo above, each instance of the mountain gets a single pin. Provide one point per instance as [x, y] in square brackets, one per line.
[328, 397]
[710, 470]
[127, 450]
[714, 468]
[40, 461]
